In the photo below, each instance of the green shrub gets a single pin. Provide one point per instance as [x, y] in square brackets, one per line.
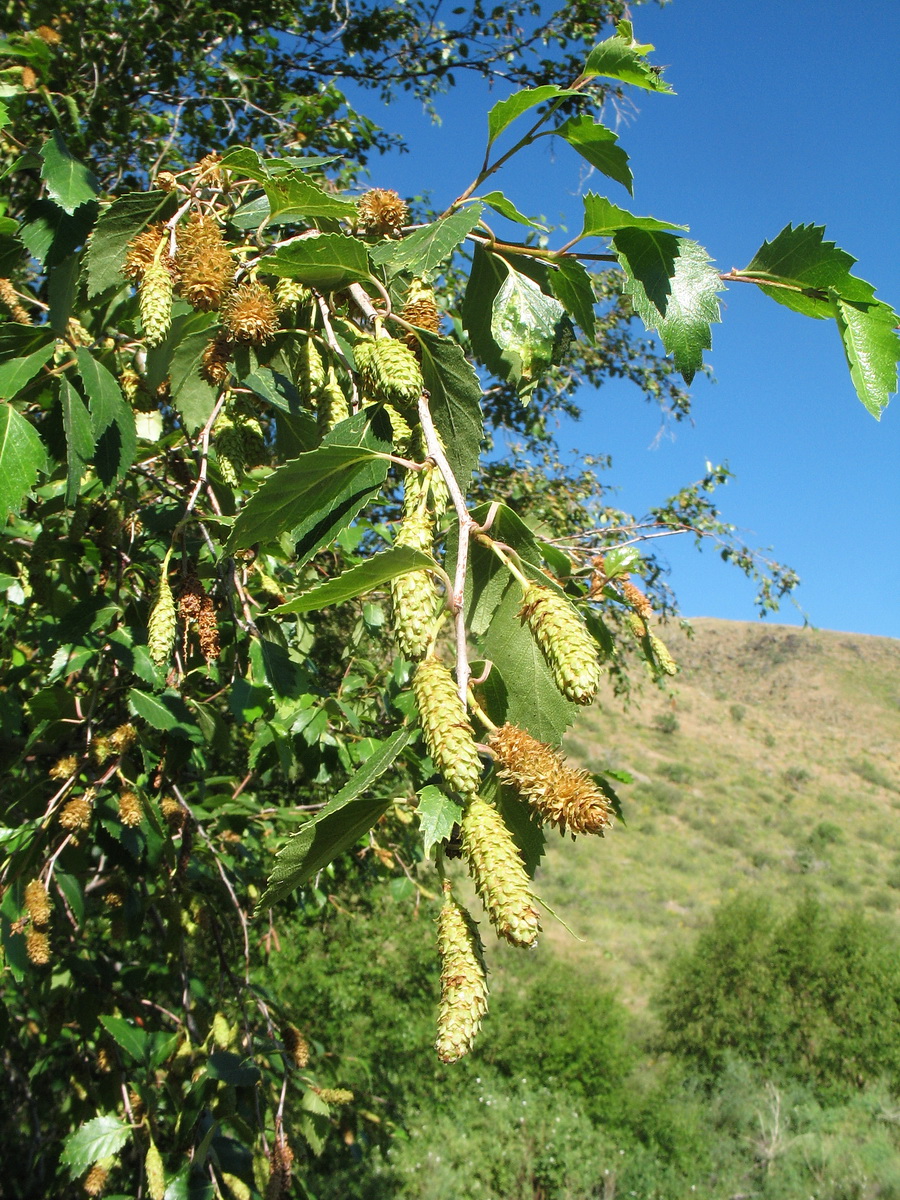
[677, 772]
[665, 723]
[808, 996]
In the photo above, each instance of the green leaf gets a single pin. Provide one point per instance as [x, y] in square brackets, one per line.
[115, 228]
[23, 351]
[487, 274]
[339, 825]
[527, 325]
[167, 712]
[621, 57]
[621, 560]
[294, 195]
[246, 162]
[602, 218]
[232, 1068]
[69, 182]
[99, 1138]
[52, 235]
[455, 402]
[424, 251]
[673, 288]
[520, 687]
[437, 815]
[803, 259]
[79, 438]
[112, 419]
[61, 288]
[518, 816]
[532, 699]
[499, 203]
[489, 577]
[358, 580]
[597, 144]
[285, 674]
[192, 395]
[504, 112]
[132, 1039]
[315, 1121]
[571, 285]
[327, 262]
[872, 347]
[317, 495]
[22, 458]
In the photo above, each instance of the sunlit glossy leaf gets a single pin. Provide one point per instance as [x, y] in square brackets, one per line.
[622, 57]
[673, 287]
[506, 111]
[69, 182]
[22, 457]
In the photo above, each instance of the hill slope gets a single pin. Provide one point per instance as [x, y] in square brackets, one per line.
[773, 762]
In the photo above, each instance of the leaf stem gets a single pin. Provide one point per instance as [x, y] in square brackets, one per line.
[503, 552]
[466, 526]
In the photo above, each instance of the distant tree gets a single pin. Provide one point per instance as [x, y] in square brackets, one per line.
[262, 579]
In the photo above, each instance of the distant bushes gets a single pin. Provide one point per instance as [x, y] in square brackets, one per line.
[780, 1082]
[810, 996]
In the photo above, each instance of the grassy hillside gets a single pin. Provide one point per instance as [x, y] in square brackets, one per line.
[773, 762]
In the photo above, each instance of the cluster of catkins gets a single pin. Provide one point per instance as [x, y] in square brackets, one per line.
[193, 260]
[557, 793]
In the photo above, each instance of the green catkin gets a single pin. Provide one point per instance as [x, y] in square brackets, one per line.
[464, 988]
[311, 372]
[156, 1175]
[415, 598]
[565, 642]
[400, 428]
[499, 874]
[228, 440]
[289, 293]
[447, 732]
[663, 657]
[155, 299]
[389, 371]
[332, 403]
[163, 620]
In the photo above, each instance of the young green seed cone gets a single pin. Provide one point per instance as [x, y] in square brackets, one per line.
[310, 371]
[156, 1175]
[155, 299]
[414, 595]
[499, 873]
[228, 440]
[663, 657]
[163, 619]
[448, 734]
[389, 370]
[289, 293]
[563, 795]
[415, 602]
[332, 404]
[565, 643]
[400, 428]
[464, 988]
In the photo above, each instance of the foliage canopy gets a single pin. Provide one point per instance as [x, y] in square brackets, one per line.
[251, 525]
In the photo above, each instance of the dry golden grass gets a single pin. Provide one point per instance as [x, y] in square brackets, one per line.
[773, 762]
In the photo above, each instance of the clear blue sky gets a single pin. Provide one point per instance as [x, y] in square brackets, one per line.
[783, 113]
